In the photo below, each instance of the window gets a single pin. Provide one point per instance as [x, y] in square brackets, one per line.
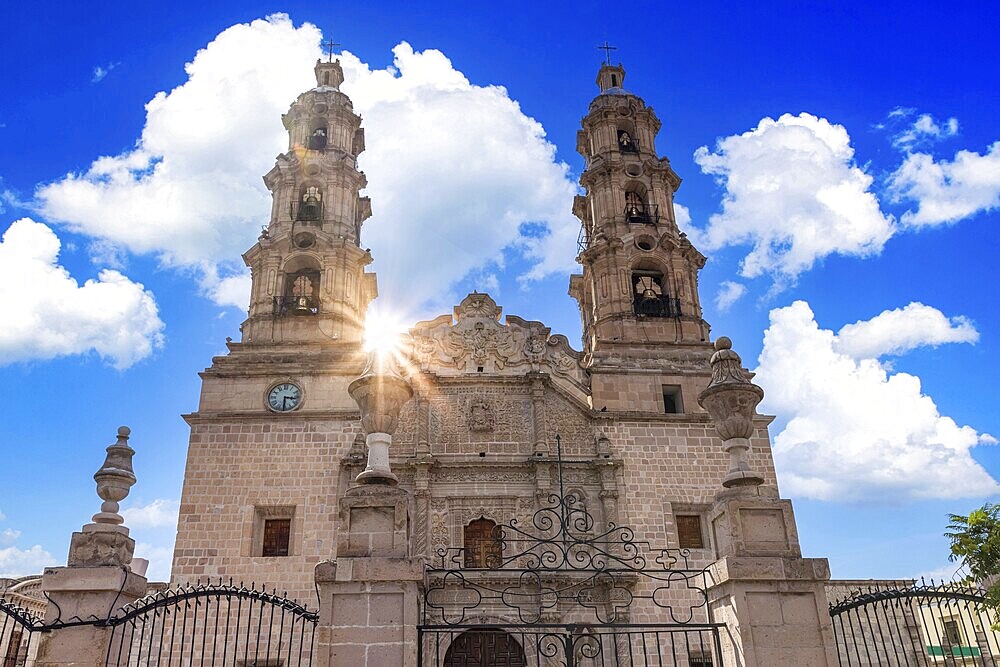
[273, 531]
[482, 544]
[952, 633]
[689, 531]
[672, 403]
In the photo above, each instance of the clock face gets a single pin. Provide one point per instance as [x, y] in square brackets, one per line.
[284, 397]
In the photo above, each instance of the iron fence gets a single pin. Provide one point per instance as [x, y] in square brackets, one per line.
[921, 625]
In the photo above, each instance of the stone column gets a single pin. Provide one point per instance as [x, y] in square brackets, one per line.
[772, 600]
[98, 578]
[369, 595]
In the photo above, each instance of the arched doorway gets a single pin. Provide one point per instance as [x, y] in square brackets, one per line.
[485, 648]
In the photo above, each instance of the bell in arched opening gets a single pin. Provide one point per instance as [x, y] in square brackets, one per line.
[311, 208]
[302, 290]
[317, 139]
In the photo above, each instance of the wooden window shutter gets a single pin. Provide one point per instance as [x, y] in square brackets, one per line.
[689, 532]
[276, 537]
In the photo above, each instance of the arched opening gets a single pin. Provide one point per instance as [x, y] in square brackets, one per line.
[300, 295]
[326, 78]
[311, 204]
[637, 208]
[317, 135]
[483, 547]
[649, 294]
[626, 140]
[485, 648]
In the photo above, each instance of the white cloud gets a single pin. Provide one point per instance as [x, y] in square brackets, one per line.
[793, 191]
[729, 293]
[458, 171]
[946, 192]
[191, 190]
[923, 130]
[854, 430]
[160, 513]
[455, 169]
[16, 562]
[48, 314]
[159, 557]
[101, 72]
[901, 330]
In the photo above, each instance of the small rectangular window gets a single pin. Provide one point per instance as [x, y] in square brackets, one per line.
[952, 635]
[689, 531]
[276, 537]
[672, 403]
[273, 531]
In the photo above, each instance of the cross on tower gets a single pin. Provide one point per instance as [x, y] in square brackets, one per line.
[607, 48]
[329, 45]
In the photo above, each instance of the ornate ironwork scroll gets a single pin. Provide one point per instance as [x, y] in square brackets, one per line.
[571, 592]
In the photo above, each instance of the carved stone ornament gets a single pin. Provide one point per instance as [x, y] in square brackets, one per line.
[100, 548]
[731, 400]
[481, 416]
[380, 393]
[476, 341]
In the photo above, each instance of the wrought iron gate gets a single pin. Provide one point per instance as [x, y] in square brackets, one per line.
[920, 625]
[564, 592]
[202, 624]
[17, 631]
[206, 624]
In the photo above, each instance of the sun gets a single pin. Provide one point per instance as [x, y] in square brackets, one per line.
[382, 331]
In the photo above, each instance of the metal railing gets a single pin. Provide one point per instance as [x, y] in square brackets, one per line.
[295, 305]
[661, 306]
[642, 214]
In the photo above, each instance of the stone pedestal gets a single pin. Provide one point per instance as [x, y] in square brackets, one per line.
[369, 595]
[772, 600]
[96, 584]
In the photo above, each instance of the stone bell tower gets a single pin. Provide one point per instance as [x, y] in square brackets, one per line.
[309, 280]
[638, 291]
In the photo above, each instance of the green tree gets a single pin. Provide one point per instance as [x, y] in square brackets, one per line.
[975, 541]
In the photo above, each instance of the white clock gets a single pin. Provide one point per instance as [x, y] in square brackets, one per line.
[284, 397]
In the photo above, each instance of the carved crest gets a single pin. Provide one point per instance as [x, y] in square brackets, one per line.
[481, 416]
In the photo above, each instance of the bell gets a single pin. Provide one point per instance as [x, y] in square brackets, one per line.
[310, 208]
[648, 294]
[301, 306]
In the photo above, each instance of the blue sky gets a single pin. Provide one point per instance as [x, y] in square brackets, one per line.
[839, 165]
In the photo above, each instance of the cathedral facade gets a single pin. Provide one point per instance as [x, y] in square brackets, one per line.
[276, 440]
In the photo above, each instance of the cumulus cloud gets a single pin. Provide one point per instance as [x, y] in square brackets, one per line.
[154, 527]
[190, 191]
[794, 192]
[455, 169]
[159, 557]
[856, 431]
[159, 513]
[49, 314]
[17, 562]
[947, 191]
[901, 330]
[458, 171]
[729, 293]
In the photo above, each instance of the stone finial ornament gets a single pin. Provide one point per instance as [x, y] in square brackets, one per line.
[114, 479]
[731, 400]
[380, 392]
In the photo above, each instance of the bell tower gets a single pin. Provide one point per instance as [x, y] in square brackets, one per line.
[639, 287]
[308, 269]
